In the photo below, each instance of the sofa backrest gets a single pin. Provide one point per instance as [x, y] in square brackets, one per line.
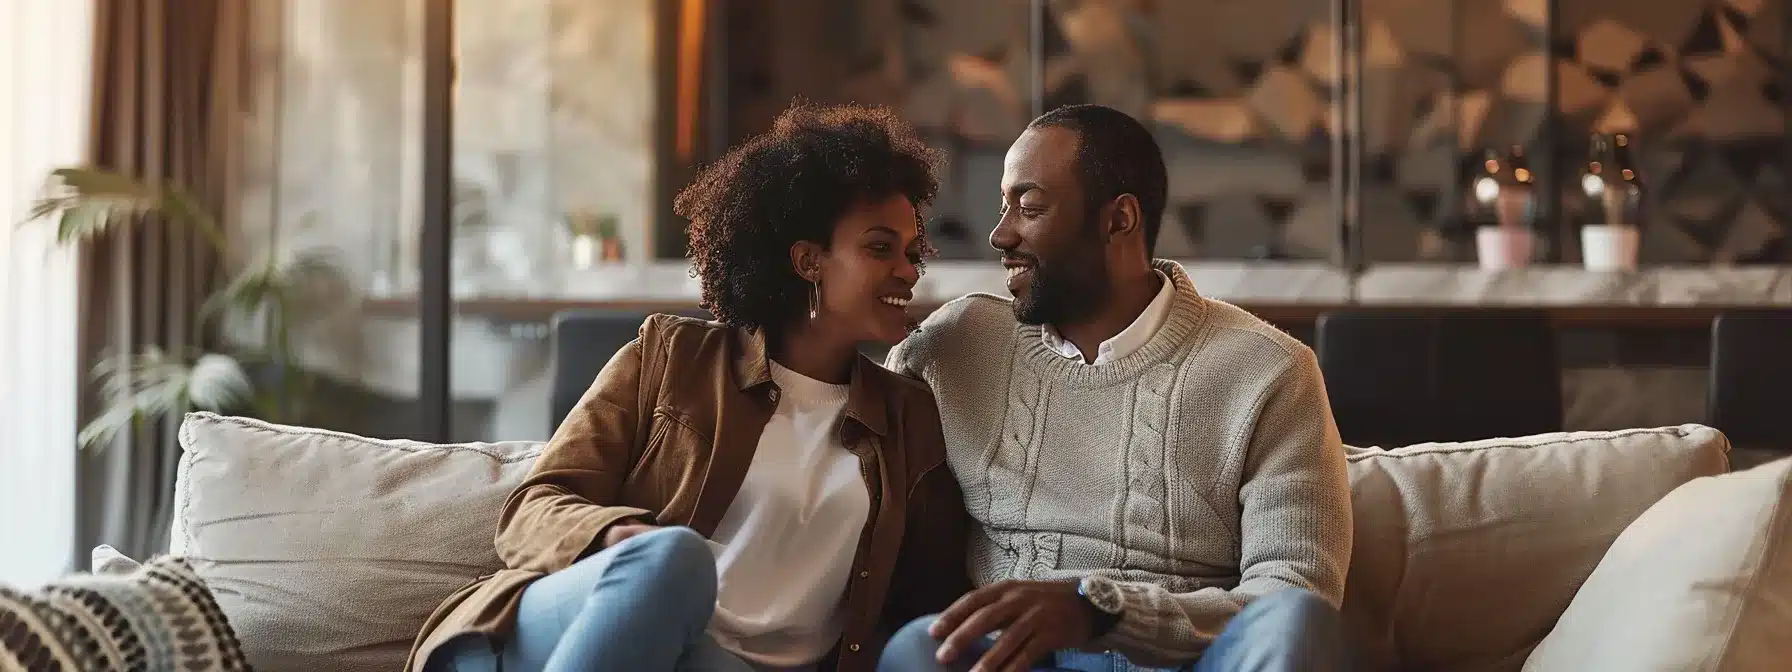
[328, 550]
[1465, 554]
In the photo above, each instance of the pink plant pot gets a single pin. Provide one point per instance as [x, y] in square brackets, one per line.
[1499, 248]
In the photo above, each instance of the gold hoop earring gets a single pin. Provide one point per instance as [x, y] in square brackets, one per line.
[815, 298]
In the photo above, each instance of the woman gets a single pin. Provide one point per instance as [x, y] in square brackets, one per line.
[749, 493]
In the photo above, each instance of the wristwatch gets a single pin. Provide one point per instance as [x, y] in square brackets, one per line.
[1106, 607]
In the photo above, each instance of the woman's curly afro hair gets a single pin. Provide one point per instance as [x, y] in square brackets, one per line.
[794, 183]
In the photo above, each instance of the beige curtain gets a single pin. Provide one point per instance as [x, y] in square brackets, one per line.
[168, 87]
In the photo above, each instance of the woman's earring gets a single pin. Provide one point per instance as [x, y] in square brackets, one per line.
[815, 298]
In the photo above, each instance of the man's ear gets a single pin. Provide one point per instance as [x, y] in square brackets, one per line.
[1122, 216]
[805, 259]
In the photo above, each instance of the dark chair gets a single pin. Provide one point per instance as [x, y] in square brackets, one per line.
[1751, 364]
[1403, 377]
[584, 341]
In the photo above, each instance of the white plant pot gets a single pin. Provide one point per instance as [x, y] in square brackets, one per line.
[1504, 247]
[1609, 247]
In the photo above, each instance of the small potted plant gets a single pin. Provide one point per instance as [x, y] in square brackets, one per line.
[596, 238]
[1503, 193]
[609, 233]
[1614, 193]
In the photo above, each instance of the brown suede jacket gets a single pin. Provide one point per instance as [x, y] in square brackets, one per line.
[666, 434]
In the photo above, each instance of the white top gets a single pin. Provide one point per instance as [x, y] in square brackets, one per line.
[1130, 339]
[785, 548]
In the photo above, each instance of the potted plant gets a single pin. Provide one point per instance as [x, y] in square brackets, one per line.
[1504, 195]
[596, 238]
[609, 232]
[86, 205]
[1614, 193]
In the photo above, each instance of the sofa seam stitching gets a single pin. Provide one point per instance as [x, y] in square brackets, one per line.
[405, 445]
[1446, 448]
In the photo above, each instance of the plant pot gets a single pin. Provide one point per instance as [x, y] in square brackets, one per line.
[1500, 248]
[584, 252]
[1609, 247]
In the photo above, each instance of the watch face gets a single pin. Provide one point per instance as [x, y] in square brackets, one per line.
[1103, 594]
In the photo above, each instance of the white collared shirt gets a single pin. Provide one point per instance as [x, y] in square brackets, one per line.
[1130, 339]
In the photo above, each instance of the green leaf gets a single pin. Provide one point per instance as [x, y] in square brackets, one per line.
[46, 206]
[217, 382]
[98, 182]
[84, 221]
[183, 207]
[92, 201]
[102, 429]
[246, 293]
[278, 285]
[156, 384]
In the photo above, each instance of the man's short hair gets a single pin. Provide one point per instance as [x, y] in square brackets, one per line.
[1115, 155]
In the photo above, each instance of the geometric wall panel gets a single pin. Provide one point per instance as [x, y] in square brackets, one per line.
[1241, 96]
[1700, 93]
[1477, 82]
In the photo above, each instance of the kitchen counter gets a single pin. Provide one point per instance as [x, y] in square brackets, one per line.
[1280, 291]
[502, 346]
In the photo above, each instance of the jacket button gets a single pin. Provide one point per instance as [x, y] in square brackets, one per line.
[854, 648]
[864, 575]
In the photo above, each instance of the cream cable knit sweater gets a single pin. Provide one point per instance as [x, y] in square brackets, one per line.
[1197, 473]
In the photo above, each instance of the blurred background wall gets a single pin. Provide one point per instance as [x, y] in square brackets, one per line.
[1343, 135]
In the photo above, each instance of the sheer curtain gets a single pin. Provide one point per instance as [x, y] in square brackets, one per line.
[45, 55]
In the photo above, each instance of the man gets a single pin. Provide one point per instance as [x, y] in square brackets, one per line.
[1155, 476]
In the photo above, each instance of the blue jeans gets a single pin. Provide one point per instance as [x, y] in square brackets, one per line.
[1289, 629]
[643, 604]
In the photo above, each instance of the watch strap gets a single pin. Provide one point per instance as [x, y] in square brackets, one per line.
[1102, 620]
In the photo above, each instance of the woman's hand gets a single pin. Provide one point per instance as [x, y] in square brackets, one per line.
[620, 532]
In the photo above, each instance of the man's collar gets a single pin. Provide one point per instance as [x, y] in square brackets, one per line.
[1130, 339]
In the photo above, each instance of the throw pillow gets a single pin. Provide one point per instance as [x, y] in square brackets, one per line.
[157, 618]
[328, 550]
[1702, 581]
[1466, 553]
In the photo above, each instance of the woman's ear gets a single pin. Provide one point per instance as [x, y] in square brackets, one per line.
[805, 259]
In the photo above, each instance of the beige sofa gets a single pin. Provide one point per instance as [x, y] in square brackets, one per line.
[1628, 550]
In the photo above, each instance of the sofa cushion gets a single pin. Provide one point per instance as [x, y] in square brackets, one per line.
[154, 616]
[108, 560]
[1466, 553]
[1702, 581]
[328, 550]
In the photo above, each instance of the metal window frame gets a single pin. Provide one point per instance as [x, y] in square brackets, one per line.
[435, 298]
[435, 307]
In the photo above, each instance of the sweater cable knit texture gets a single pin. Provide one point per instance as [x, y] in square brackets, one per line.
[1197, 473]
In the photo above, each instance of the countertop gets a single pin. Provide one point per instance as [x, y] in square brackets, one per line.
[1288, 291]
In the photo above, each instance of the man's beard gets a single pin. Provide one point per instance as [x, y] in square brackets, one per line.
[1056, 297]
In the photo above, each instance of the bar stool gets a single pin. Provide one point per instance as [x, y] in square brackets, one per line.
[1751, 364]
[1398, 377]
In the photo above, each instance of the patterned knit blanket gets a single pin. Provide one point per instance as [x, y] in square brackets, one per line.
[158, 617]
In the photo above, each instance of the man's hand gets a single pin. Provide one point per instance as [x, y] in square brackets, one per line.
[1036, 618]
[620, 532]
